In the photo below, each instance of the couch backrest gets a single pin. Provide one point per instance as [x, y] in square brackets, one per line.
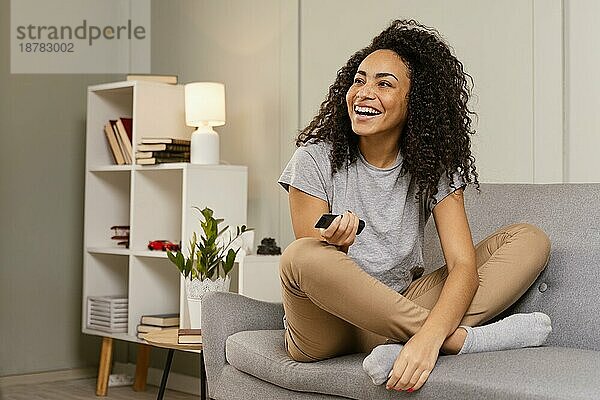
[568, 290]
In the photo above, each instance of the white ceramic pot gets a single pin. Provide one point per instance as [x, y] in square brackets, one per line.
[195, 289]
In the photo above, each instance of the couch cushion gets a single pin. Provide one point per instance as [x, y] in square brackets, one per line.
[532, 373]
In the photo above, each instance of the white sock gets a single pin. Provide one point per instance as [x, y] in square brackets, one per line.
[380, 362]
[513, 332]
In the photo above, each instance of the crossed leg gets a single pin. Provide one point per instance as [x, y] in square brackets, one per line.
[333, 307]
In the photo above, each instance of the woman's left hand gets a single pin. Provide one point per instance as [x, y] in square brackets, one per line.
[415, 362]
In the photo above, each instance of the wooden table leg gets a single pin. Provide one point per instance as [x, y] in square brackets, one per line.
[104, 367]
[141, 367]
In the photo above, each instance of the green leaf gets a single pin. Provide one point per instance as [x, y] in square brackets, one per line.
[207, 213]
[229, 261]
[171, 257]
[188, 269]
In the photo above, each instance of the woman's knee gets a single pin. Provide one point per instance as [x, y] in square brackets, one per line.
[298, 252]
[538, 238]
[538, 241]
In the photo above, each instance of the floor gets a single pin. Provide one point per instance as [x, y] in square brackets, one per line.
[83, 389]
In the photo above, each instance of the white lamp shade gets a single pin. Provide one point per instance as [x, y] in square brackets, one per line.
[205, 104]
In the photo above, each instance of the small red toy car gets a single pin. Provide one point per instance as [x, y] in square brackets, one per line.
[163, 245]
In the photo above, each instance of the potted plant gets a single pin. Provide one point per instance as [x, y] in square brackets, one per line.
[208, 264]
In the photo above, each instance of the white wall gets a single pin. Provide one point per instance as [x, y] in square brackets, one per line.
[582, 91]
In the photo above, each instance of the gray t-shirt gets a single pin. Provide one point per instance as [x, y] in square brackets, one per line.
[390, 248]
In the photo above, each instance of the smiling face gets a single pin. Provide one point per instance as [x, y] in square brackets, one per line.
[377, 100]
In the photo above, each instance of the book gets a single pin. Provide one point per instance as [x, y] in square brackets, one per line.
[121, 235]
[161, 319]
[107, 313]
[189, 340]
[141, 328]
[103, 316]
[188, 331]
[128, 124]
[113, 144]
[165, 141]
[107, 321]
[160, 160]
[125, 136]
[189, 336]
[117, 310]
[163, 147]
[112, 300]
[163, 154]
[124, 151]
[171, 79]
[118, 237]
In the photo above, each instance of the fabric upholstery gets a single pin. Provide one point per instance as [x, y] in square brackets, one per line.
[543, 372]
[224, 314]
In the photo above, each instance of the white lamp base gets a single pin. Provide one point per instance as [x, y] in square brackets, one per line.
[205, 146]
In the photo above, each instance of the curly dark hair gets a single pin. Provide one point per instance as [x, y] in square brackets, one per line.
[435, 138]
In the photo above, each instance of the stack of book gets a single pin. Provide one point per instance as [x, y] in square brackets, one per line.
[120, 235]
[119, 133]
[189, 336]
[157, 322]
[151, 151]
[107, 313]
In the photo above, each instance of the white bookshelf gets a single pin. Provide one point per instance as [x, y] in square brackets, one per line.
[155, 201]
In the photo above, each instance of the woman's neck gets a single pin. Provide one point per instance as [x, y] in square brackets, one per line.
[379, 153]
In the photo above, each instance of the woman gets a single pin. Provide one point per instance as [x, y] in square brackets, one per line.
[391, 146]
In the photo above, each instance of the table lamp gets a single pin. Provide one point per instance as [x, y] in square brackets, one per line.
[204, 108]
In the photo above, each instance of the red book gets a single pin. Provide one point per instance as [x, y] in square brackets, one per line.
[128, 124]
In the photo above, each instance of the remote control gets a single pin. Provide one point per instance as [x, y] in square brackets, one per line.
[327, 219]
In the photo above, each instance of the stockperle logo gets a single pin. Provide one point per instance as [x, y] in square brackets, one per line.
[80, 36]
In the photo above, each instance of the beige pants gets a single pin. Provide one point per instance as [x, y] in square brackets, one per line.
[333, 307]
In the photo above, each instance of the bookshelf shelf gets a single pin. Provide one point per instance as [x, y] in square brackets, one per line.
[150, 253]
[109, 250]
[154, 201]
[175, 166]
[109, 168]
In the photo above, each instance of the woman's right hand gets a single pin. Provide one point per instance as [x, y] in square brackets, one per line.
[342, 231]
[306, 210]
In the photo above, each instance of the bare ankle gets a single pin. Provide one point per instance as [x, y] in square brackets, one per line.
[454, 342]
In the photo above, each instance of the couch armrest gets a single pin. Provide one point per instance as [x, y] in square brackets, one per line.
[225, 313]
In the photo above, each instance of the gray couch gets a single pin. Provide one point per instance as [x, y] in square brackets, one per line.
[244, 349]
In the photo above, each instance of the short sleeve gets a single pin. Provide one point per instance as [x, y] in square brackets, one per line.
[306, 171]
[445, 188]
